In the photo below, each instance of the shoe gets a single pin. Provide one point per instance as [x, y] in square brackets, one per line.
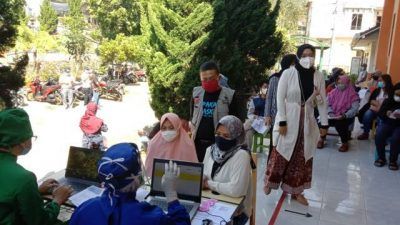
[321, 143]
[364, 136]
[267, 190]
[380, 163]
[300, 199]
[344, 147]
[393, 166]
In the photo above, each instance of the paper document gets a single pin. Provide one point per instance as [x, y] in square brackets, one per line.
[259, 125]
[83, 196]
[219, 212]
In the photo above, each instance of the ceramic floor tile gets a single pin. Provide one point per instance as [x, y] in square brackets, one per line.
[343, 215]
[322, 222]
[383, 218]
[333, 198]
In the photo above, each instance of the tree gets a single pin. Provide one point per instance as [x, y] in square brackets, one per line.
[76, 43]
[48, 17]
[11, 78]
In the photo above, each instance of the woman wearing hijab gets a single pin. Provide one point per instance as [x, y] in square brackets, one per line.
[171, 142]
[21, 202]
[369, 112]
[120, 171]
[300, 90]
[336, 72]
[343, 106]
[389, 129]
[92, 126]
[227, 166]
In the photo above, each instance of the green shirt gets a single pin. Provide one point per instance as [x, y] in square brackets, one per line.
[20, 200]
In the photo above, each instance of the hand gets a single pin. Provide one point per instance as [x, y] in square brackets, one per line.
[205, 184]
[61, 194]
[169, 179]
[47, 186]
[388, 113]
[342, 117]
[323, 132]
[268, 120]
[282, 130]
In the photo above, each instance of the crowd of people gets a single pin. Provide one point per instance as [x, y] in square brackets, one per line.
[297, 105]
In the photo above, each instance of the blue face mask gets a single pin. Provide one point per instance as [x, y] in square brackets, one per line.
[381, 84]
[224, 144]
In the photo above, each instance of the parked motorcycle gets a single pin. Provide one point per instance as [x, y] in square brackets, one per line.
[129, 78]
[113, 90]
[19, 97]
[48, 92]
[141, 75]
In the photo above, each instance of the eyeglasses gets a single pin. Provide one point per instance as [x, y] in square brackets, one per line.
[34, 138]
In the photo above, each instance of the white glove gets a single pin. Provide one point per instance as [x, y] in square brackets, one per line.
[169, 179]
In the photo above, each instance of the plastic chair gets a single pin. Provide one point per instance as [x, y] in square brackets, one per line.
[258, 142]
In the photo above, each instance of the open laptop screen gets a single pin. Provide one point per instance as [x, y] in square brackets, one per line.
[189, 184]
[82, 163]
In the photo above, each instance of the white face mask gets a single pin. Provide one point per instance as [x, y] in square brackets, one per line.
[169, 135]
[397, 98]
[307, 62]
[264, 91]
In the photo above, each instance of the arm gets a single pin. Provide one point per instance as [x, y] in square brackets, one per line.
[177, 215]
[31, 207]
[250, 112]
[352, 112]
[271, 95]
[322, 108]
[239, 182]
[281, 99]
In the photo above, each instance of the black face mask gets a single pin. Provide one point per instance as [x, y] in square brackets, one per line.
[375, 77]
[224, 144]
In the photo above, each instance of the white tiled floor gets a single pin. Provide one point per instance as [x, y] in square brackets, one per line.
[347, 190]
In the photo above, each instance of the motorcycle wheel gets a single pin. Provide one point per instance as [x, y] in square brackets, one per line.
[30, 97]
[58, 99]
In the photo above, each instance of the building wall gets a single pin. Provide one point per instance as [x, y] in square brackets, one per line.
[388, 54]
[330, 22]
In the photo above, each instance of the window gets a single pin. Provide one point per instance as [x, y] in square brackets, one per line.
[378, 20]
[356, 21]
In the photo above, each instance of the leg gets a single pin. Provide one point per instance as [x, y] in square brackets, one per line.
[342, 127]
[367, 120]
[383, 133]
[395, 145]
[86, 97]
[249, 138]
[65, 97]
[70, 97]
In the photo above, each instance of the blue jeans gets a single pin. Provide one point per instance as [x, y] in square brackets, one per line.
[384, 132]
[368, 118]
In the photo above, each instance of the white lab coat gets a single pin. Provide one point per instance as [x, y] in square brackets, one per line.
[289, 106]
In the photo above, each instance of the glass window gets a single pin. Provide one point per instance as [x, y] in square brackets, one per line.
[356, 21]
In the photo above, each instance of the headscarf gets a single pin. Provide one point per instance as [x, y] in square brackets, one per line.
[90, 124]
[286, 62]
[306, 77]
[119, 167]
[15, 127]
[341, 101]
[236, 131]
[181, 148]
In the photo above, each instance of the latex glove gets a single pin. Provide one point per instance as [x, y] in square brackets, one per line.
[169, 180]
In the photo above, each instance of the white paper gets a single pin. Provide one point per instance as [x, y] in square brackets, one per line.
[220, 209]
[259, 125]
[83, 196]
[141, 193]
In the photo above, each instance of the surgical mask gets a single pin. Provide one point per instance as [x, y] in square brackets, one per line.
[341, 87]
[26, 151]
[263, 91]
[397, 98]
[307, 62]
[169, 135]
[381, 84]
[224, 144]
[210, 86]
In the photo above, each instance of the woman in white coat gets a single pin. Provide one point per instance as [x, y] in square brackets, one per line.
[301, 88]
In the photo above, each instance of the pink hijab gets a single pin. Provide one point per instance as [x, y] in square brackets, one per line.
[90, 124]
[181, 148]
[341, 101]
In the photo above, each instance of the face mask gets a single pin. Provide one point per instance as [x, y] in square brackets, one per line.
[263, 91]
[397, 98]
[375, 77]
[307, 62]
[381, 84]
[169, 135]
[26, 151]
[210, 86]
[341, 87]
[224, 144]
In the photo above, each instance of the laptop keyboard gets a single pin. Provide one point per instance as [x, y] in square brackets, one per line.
[164, 205]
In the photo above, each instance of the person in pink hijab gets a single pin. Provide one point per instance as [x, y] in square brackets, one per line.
[171, 142]
[92, 126]
[343, 106]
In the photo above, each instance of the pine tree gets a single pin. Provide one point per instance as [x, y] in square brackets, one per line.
[48, 17]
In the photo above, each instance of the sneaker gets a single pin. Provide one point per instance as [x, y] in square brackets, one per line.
[344, 147]
[364, 136]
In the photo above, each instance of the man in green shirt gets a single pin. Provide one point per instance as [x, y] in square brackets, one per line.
[20, 197]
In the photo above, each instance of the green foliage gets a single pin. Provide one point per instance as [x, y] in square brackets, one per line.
[11, 12]
[42, 41]
[116, 17]
[120, 50]
[48, 17]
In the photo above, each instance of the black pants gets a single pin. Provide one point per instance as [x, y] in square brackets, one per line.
[88, 95]
[201, 147]
[342, 127]
[384, 132]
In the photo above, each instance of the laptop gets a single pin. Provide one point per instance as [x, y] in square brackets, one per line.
[189, 185]
[81, 171]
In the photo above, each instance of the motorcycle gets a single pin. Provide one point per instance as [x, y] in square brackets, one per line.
[19, 97]
[113, 90]
[129, 78]
[141, 75]
[48, 92]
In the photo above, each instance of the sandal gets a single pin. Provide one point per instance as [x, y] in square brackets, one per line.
[300, 199]
[321, 143]
[393, 166]
[380, 163]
